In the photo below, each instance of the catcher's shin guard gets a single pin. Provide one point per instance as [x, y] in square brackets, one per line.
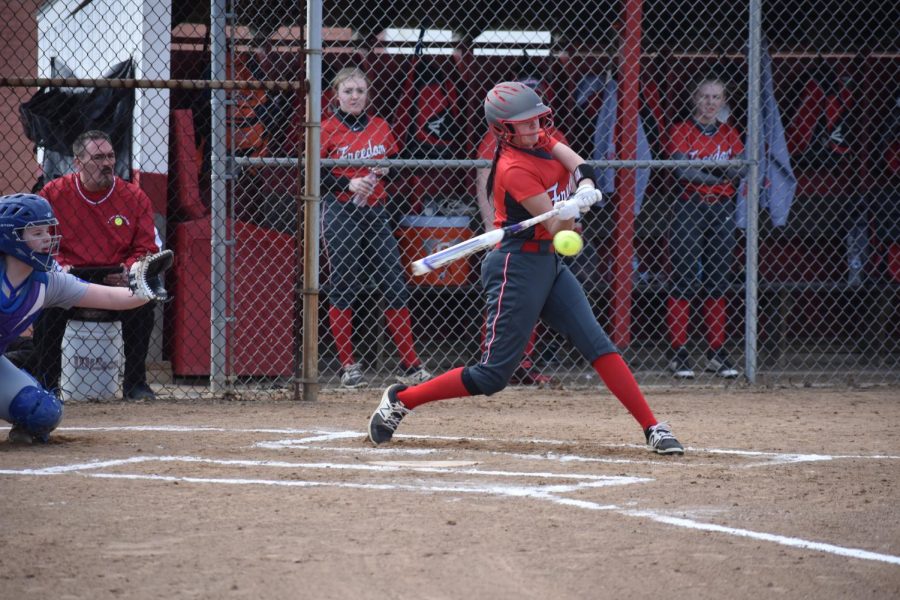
[36, 411]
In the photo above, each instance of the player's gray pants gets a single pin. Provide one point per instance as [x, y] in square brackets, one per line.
[520, 289]
[701, 244]
[12, 380]
[361, 246]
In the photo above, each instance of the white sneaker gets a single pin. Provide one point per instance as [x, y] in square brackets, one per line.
[414, 375]
[352, 377]
[680, 364]
[719, 363]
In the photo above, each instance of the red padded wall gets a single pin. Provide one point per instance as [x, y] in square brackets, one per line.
[263, 300]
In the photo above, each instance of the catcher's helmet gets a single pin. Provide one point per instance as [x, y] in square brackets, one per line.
[19, 211]
[512, 102]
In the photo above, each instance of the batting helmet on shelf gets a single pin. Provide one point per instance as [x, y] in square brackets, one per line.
[514, 102]
[18, 212]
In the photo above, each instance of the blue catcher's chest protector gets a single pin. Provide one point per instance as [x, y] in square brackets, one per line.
[18, 312]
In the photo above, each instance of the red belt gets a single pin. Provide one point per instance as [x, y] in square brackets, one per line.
[538, 247]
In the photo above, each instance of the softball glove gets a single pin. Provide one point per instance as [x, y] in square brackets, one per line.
[145, 278]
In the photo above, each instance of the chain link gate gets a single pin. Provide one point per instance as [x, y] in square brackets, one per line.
[221, 163]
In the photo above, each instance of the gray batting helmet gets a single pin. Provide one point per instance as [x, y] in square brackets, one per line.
[512, 102]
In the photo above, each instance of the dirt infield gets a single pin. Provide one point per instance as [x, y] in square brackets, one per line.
[782, 494]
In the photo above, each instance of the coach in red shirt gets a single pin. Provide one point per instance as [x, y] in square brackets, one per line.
[105, 222]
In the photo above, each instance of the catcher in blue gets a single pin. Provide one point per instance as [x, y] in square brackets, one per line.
[523, 278]
[30, 280]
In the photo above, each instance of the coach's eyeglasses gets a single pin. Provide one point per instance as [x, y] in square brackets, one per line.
[103, 157]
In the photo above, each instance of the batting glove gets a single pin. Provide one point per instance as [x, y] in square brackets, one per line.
[586, 196]
[568, 209]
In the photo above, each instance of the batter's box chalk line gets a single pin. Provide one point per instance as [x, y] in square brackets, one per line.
[547, 493]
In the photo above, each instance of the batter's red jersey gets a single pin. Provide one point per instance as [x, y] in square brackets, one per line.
[374, 141]
[725, 144]
[109, 227]
[522, 174]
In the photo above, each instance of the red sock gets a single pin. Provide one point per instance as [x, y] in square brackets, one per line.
[714, 313]
[448, 385]
[678, 320]
[342, 330]
[400, 326]
[618, 378]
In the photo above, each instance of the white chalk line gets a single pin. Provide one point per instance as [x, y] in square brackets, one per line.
[544, 456]
[457, 487]
[106, 464]
[767, 537]
[545, 493]
[581, 481]
[770, 458]
[322, 435]
[541, 493]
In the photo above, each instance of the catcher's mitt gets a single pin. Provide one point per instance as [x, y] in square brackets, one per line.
[145, 276]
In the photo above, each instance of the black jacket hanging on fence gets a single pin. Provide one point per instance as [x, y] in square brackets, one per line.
[431, 121]
[54, 117]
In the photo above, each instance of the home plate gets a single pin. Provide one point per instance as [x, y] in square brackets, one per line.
[423, 463]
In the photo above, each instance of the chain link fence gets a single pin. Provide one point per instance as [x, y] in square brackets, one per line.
[207, 109]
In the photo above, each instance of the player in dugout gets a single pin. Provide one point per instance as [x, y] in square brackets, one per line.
[524, 279]
[701, 231]
[356, 228]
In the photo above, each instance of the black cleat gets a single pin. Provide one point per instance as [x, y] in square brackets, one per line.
[660, 440]
[141, 391]
[352, 377]
[387, 416]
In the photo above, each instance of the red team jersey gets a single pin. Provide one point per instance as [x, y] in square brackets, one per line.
[725, 144]
[373, 142]
[522, 174]
[109, 227]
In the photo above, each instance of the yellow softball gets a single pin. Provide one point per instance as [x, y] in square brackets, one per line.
[568, 243]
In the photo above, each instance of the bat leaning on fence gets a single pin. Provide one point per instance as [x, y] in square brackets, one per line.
[435, 261]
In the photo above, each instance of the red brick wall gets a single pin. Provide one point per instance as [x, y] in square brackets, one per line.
[18, 46]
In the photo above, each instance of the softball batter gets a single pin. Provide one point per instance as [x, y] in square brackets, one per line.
[359, 241]
[523, 278]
